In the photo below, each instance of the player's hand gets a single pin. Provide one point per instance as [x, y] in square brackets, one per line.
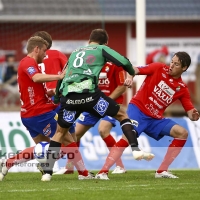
[62, 75]
[129, 82]
[51, 92]
[195, 114]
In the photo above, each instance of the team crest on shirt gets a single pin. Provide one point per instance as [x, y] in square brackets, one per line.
[107, 69]
[101, 106]
[69, 116]
[31, 70]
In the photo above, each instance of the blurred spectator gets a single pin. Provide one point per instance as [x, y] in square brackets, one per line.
[158, 55]
[9, 84]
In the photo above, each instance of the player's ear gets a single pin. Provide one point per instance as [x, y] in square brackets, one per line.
[36, 49]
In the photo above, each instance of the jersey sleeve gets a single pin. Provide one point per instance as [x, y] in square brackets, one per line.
[149, 69]
[119, 60]
[120, 76]
[186, 101]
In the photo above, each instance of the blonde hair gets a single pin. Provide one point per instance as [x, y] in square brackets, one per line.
[35, 41]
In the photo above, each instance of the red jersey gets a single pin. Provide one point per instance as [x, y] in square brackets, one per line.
[159, 90]
[53, 63]
[34, 99]
[110, 77]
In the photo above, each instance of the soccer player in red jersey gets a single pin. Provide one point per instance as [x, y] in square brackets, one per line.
[39, 113]
[53, 63]
[111, 82]
[162, 86]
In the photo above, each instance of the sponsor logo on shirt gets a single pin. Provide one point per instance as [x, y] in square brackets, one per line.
[164, 92]
[90, 59]
[79, 101]
[31, 95]
[31, 70]
[78, 87]
[102, 75]
[104, 81]
[155, 102]
[152, 110]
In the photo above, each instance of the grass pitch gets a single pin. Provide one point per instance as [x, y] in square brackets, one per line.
[137, 185]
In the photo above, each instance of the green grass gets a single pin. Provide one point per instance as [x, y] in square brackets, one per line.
[137, 185]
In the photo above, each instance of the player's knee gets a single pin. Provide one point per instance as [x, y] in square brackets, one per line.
[78, 136]
[102, 132]
[184, 134]
[121, 115]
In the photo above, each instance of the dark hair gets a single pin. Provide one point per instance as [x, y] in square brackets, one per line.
[184, 58]
[44, 35]
[99, 36]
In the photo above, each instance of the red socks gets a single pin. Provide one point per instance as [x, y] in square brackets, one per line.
[110, 142]
[172, 152]
[22, 157]
[115, 153]
[75, 158]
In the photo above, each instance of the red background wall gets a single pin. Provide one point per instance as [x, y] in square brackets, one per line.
[13, 34]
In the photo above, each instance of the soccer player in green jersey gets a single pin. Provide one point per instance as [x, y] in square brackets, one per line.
[79, 92]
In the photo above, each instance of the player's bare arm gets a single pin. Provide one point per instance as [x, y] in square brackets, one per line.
[41, 78]
[193, 114]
